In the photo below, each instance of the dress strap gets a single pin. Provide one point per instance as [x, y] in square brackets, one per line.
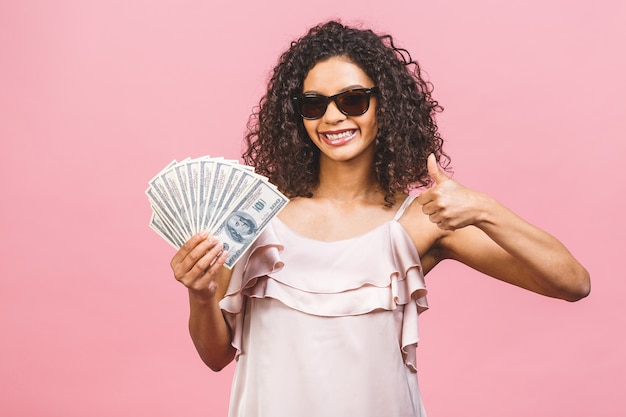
[407, 202]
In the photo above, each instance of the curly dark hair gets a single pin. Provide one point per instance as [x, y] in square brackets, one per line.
[278, 146]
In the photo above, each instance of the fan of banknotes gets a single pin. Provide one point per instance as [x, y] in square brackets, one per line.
[223, 197]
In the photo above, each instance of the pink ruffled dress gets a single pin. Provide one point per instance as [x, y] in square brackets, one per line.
[327, 329]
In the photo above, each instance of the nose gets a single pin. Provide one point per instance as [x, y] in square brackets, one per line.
[333, 115]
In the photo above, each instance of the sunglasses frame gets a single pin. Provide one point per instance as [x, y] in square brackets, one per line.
[367, 92]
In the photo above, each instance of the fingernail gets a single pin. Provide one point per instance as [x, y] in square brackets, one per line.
[204, 233]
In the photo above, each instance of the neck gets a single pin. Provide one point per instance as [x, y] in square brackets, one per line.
[346, 181]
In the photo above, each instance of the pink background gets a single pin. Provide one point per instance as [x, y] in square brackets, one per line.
[97, 96]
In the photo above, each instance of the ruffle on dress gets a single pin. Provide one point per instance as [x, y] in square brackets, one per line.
[379, 270]
[261, 260]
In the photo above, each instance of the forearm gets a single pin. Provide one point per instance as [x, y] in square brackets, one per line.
[199, 265]
[539, 261]
[209, 331]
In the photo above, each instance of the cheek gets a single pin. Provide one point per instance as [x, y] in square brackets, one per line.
[311, 129]
[369, 119]
[371, 125]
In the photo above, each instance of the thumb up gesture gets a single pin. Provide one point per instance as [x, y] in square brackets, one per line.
[448, 204]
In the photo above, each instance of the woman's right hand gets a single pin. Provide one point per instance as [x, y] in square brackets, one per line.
[197, 264]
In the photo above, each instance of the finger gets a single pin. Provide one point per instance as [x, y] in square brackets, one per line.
[435, 172]
[204, 262]
[198, 263]
[429, 208]
[216, 264]
[219, 260]
[426, 197]
[206, 281]
[189, 245]
[185, 265]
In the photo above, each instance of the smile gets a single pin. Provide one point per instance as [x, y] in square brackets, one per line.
[338, 138]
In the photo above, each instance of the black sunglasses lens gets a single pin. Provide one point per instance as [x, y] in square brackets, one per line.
[313, 107]
[353, 103]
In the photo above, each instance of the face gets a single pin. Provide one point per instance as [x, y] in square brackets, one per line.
[340, 137]
[239, 225]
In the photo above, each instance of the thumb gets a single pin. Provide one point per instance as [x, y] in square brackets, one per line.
[435, 172]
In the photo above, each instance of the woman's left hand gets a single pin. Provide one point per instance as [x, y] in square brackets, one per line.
[448, 204]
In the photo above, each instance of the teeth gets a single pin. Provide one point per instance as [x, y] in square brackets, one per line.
[335, 136]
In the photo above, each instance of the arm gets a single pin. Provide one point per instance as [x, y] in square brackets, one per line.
[199, 266]
[478, 231]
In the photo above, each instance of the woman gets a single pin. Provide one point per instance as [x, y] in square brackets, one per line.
[322, 314]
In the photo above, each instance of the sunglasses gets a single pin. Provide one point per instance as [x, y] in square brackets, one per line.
[353, 102]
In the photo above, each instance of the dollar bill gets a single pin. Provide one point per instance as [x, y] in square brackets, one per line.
[164, 231]
[222, 171]
[242, 185]
[170, 181]
[207, 172]
[160, 199]
[248, 218]
[193, 169]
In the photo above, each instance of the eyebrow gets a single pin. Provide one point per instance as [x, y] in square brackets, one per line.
[350, 87]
